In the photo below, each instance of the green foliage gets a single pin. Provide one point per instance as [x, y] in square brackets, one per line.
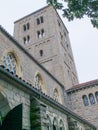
[78, 9]
[35, 115]
[55, 3]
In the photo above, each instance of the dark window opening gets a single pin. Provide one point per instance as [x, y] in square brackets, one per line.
[42, 33]
[85, 100]
[24, 39]
[24, 27]
[61, 128]
[54, 127]
[91, 98]
[38, 21]
[47, 127]
[28, 38]
[28, 26]
[41, 19]
[38, 34]
[41, 52]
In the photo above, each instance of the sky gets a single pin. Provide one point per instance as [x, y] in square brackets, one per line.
[83, 37]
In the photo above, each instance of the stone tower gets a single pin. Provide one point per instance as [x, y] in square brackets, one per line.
[45, 36]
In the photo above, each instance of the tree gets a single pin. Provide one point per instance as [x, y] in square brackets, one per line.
[78, 9]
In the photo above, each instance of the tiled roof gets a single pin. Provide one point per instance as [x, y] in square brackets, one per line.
[83, 85]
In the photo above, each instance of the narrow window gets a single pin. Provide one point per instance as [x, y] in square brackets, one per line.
[96, 95]
[24, 40]
[38, 34]
[61, 124]
[28, 26]
[54, 127]
[24, 27]
[41, 52]
[41, 19]
[91, 98]
[42, 33]
[85, 100]
[38, 21]
[28, 38]
[55, 124]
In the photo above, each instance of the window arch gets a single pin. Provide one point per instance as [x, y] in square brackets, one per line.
[85, 100]
[96, 95]
[56, 94]
[55, 124]
[11, 62]
[91, 98]
[39, 82]
[61, 124]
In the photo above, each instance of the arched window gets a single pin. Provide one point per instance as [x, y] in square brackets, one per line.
[96, 95]
[9, 62]
[55, 124]
[91, 98]
[61, 124]
[39, 82]
[56, 94]
[24, 27]
[85, 100]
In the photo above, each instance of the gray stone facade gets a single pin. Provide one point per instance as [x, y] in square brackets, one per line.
[76, 103]
[38, 70]
[13, 95]
[29, 68]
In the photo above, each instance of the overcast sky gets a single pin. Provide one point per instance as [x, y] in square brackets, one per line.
[83, 37]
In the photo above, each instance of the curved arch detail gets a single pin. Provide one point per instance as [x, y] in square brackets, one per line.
[55, 124]
[4, 105]
[61, 124]
[39, 82]
[15, 57]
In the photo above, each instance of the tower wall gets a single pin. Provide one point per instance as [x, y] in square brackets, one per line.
[49, 43]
